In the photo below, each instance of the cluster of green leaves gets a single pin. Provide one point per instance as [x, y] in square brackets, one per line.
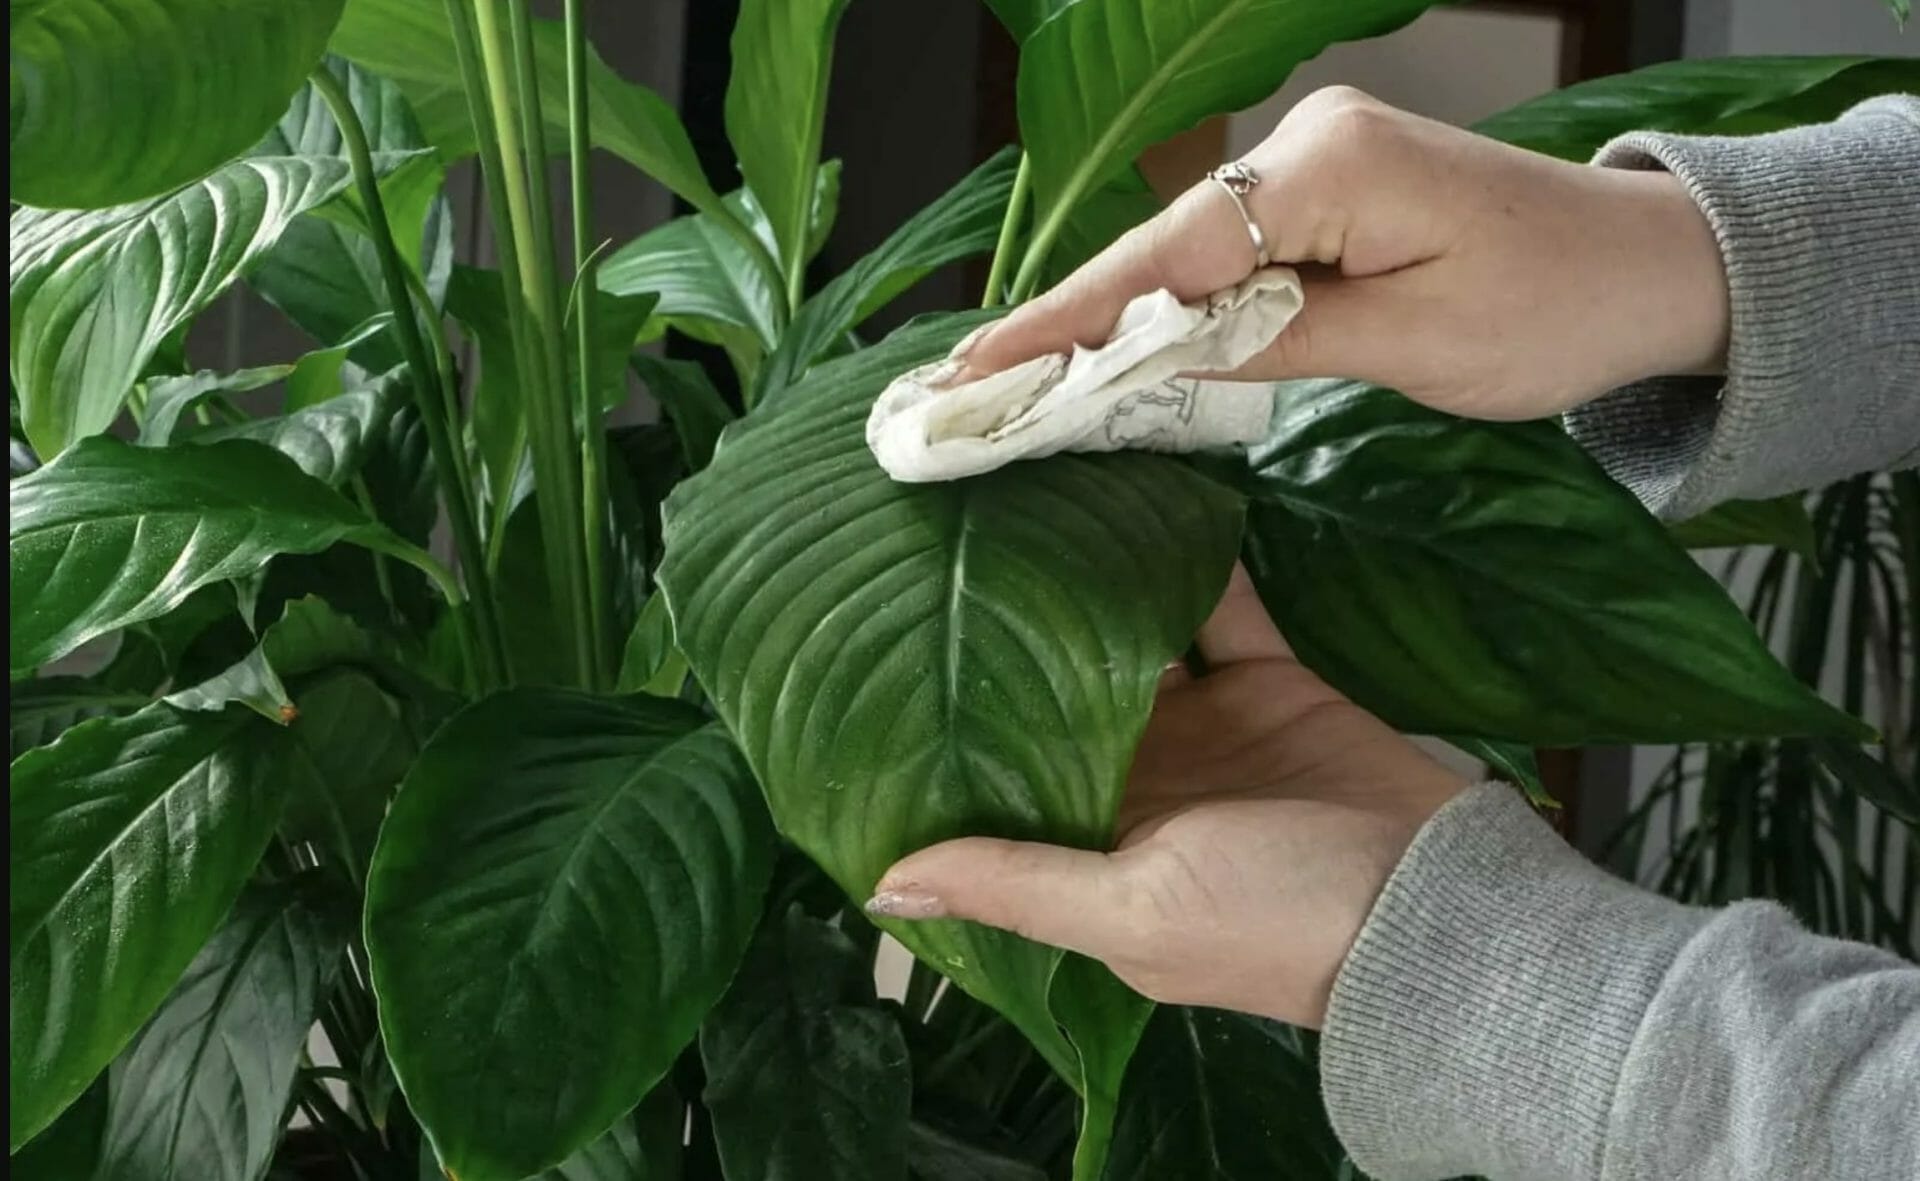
[563, 916]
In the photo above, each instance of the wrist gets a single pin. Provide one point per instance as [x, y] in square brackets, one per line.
[1668, 276]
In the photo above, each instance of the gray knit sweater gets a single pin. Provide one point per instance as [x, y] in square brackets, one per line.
[1509, 1009]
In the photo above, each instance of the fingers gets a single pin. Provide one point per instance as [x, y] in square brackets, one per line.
[1194, 247]
[1240, 629]
[1063, 897]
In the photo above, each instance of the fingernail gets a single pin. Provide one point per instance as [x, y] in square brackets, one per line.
[905, 903]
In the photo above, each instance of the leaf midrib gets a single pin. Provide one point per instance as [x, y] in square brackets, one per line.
[207, 1027]
[1080, 179]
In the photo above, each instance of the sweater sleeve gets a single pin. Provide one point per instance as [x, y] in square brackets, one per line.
[1819, 228]
[1511, 1010]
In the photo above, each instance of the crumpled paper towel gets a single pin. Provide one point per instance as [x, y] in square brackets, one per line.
[1125, 394]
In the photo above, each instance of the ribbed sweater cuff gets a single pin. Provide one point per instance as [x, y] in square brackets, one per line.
[1481, 1019]
[1819, 229]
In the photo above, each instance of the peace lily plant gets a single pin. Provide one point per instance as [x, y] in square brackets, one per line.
[533, 846]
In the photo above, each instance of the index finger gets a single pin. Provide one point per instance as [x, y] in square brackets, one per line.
[1194, 247]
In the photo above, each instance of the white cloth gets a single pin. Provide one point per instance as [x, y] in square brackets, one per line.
[1125, 394]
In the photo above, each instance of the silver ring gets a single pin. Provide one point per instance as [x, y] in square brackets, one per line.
[1238, 180]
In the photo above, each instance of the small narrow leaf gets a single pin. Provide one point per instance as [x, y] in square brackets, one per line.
[963, 222]
[578, 877]
[130, 839]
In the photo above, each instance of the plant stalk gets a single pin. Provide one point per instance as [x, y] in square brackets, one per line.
[538, 344]
[593, 442]
[1009, 233]
[486, 654]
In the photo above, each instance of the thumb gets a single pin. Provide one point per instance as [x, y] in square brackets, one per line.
[1069, 898]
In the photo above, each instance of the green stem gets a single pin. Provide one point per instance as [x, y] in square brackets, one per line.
[1009, 232]
[524, 166]
[466, 535]
[593, 485]
[1041, 243]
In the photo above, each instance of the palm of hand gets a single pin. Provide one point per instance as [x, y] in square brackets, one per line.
[1262, 817]
[1263, 814]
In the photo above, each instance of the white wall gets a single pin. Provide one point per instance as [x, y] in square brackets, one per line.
[1453, 65]
[1718, 28]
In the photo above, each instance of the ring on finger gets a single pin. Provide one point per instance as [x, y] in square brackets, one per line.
[1238, 179]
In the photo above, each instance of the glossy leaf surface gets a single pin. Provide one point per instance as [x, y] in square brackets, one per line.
[577, 877]
[776, 105]
[130, 839]
[111, 101]
[938, 660]
[1488, 580]
[110, 534]
[1717, 96]
[94, 294]
[203, 1090]
[801, 1020]
[1104, 79]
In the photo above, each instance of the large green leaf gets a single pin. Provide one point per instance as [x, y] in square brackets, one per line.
[1719, 96]
[110, 534]
[324, 272]
[1104, 79]
[111, 101]
[130, 838]
[202, 1092]
[1781, 522]
[1483, 579]
[937, 659]
[1219, 1096]
[409, 42]
[776, 108]
[801, 1019]
[964, 221]
[94, 294]
[576, 877]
